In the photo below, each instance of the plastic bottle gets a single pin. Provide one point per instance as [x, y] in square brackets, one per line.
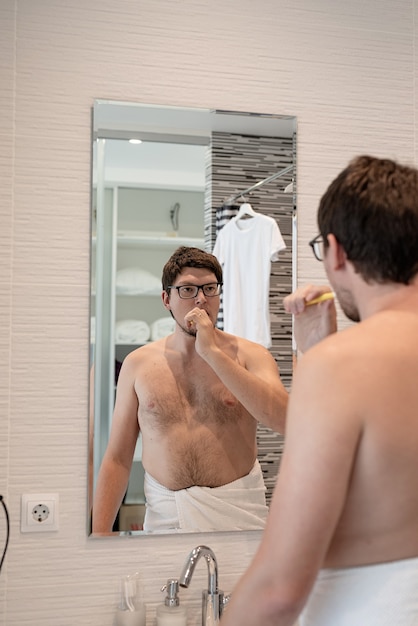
[131, 609]
[170, 613]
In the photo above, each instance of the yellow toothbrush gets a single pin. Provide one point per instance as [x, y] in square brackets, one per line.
[329, 295]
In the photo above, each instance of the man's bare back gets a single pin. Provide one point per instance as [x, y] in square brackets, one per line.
[374, 436]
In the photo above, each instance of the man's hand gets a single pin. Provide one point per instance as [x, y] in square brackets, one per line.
[198, 320]
[313, 322]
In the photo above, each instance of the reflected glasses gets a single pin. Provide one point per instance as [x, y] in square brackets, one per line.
[317, 245]
[190, 291]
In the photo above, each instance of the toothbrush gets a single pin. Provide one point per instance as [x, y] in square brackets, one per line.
[329, 295]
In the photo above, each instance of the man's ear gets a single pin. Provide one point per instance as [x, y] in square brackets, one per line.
[335, 254]
[166, 299]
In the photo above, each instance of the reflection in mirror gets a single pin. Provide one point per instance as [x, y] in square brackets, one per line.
[165, 177]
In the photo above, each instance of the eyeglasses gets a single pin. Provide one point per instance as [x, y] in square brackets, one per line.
[317, 245]
[190, 291]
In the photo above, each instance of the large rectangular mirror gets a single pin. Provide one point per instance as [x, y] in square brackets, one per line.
[164, 177]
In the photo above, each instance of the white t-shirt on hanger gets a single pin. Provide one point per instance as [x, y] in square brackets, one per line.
[245, 248]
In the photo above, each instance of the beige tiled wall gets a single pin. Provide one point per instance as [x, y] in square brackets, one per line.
[346, 69]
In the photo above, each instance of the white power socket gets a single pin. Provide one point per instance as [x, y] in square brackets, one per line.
[39, 512]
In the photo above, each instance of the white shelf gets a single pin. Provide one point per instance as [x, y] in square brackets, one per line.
[132, 238]
[139, 294]
[162, 241]
[130, 344]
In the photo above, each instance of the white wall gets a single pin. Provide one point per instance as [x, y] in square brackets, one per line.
[346, 69]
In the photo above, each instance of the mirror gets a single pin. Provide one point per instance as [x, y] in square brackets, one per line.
[163, 177]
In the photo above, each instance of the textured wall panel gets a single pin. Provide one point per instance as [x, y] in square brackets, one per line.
[7, 73]
[346, 70]
[239, 162]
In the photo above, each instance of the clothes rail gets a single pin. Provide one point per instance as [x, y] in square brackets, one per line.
[231, 199]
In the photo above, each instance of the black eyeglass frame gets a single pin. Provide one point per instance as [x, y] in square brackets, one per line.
[315, 243]
[198, 288]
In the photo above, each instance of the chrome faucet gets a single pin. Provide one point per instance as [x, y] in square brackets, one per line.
[213, 600]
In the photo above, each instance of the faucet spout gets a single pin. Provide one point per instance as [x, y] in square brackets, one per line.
[212, 598]
[189, 567]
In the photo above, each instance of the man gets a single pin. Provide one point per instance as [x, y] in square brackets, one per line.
[196, 397]
[340, 547]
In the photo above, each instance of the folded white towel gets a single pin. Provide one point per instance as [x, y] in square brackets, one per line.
[132, 331]
[136, 281]
[162, 327]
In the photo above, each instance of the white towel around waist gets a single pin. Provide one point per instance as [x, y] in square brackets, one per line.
[239, 505]
[383, 594]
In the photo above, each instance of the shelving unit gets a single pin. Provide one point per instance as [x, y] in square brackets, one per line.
[134, 234]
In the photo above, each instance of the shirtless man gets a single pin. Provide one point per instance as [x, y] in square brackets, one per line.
[196, 397]
[340, 547]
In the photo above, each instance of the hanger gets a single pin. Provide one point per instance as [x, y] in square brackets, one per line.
[245, 210]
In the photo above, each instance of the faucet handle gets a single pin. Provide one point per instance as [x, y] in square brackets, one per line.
[225, 601]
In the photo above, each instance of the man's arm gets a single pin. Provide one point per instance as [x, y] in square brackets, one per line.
[115, 469]
[322, 434]
[254, 380]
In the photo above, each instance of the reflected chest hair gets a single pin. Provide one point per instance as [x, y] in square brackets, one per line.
[189, 396]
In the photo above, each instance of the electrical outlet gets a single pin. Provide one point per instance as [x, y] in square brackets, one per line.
[39, 512]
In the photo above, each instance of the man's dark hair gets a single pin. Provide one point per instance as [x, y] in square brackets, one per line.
[372, 210]
[189, 257]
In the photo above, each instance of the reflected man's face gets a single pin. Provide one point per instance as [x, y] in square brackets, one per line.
[179, 307]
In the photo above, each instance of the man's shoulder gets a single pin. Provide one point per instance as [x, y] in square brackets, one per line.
[253, 356]
[241, 343]
[336, 349]
[355, 349]
[148, 350]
